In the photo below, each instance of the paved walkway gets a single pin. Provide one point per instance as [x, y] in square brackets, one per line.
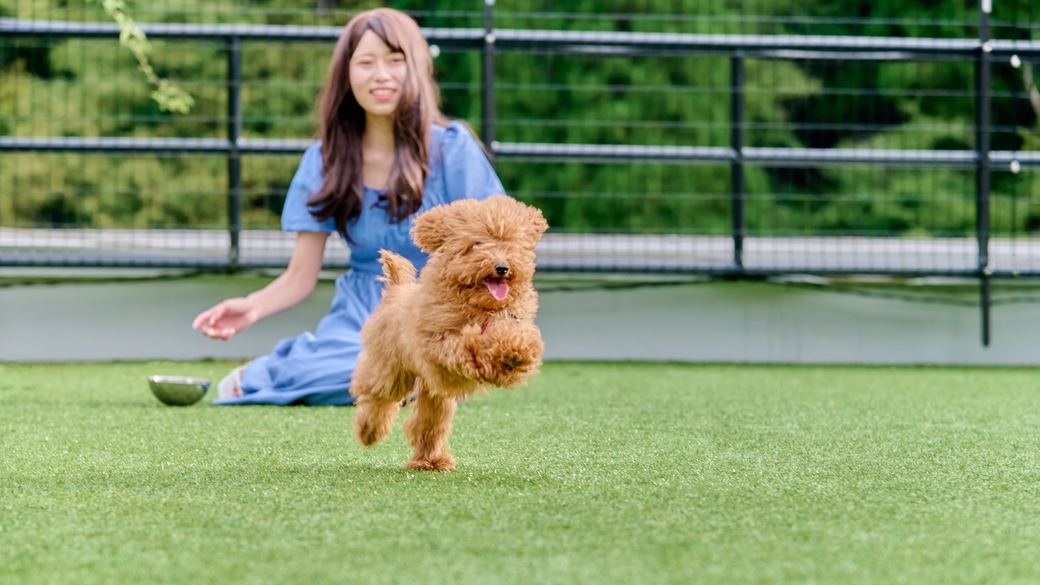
[603, 252]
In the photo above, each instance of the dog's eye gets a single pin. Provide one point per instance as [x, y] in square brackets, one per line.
[478, 244]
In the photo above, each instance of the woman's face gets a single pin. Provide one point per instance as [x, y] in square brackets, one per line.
[377, 75]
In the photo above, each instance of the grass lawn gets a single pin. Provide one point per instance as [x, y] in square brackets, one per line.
[597, 473]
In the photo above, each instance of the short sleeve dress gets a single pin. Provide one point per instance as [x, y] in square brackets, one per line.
[315, 368]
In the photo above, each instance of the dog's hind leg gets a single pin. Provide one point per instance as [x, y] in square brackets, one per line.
[378, 392]
[427, 432]
[374, 419]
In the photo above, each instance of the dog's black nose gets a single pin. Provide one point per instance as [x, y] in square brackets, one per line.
[502, 268]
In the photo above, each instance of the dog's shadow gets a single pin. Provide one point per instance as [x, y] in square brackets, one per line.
[373, 473]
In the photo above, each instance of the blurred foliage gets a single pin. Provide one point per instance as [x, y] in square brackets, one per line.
[169, 96]
[94, 88]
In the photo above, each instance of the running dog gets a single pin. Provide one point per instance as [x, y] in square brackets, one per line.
[466, 324]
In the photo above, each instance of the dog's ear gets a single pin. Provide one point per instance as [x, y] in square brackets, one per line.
[536, 222]
[429, 230]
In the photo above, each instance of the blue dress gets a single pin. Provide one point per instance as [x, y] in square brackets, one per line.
[315, 369]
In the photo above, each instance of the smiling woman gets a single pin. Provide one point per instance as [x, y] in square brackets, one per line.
[379, 105]
[377, 74]
[387, 153]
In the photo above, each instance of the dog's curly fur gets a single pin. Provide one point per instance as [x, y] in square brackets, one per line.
[447, 335]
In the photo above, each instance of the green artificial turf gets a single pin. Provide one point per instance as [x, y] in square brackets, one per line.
[597, 473]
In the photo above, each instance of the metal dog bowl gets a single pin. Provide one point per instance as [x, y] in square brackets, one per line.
[178, 390]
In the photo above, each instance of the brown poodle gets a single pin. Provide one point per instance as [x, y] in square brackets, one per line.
[465, 325]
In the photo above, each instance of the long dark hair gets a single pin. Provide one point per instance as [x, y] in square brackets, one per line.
[342, 123]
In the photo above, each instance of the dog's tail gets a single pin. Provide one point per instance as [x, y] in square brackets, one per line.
[396, 269]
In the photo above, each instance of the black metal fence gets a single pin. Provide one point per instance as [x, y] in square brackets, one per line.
[935, 196]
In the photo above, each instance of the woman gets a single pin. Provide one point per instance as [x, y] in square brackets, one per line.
[386, 154]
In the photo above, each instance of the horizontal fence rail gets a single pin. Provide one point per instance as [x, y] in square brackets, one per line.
[597, 253]
[570, 42]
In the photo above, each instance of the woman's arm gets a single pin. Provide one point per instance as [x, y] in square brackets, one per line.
[293, 286]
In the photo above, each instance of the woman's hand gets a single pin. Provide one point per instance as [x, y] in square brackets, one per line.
[226, 319]
[295, 284]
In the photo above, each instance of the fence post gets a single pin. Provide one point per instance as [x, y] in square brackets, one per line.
[234, 161]
[737, 168]
[982, 172]
[487, 124]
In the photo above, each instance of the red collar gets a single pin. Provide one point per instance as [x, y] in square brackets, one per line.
[487, 321]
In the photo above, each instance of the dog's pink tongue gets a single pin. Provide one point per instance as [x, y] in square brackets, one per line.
[497, 288]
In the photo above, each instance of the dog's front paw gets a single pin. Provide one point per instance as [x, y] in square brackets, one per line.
[515, 361]
[512, 368]
[511, 353]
